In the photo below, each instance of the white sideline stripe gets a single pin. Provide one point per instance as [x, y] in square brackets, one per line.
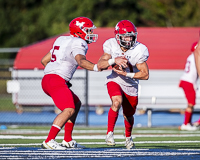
[167, 135]
[93, 137]
[24, 131]
[188, 149]
[164, 131]
[141, 142]
[168, 142]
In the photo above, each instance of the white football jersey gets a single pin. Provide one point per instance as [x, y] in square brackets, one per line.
[63, 53]
[137, 54]
[190, 73]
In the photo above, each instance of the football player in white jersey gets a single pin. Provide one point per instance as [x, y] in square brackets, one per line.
[122, 83]
[188, 82]
[60, 63]
[197, 63]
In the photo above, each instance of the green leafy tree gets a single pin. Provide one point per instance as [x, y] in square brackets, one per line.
[26, 21]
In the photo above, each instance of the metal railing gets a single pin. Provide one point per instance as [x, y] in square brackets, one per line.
[29, 99]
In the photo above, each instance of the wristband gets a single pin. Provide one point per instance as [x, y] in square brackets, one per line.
[130, 75]
[95, 68]
[111, 61]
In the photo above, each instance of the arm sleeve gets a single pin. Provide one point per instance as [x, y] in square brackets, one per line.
[106, 47]
[79, 47]
[144, 56]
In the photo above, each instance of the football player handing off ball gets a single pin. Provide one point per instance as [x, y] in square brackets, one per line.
[122, 84]
[67, 53]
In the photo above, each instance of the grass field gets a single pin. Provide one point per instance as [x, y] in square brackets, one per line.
[94, 137]
[23, 142]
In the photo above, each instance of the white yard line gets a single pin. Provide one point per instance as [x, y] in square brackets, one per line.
[141, 142]
[165, 131]
[188, 149]
[93, 137]
[32, 131]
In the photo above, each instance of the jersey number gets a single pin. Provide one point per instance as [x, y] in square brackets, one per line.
[53, 57]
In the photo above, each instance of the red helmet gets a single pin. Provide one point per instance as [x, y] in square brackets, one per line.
[125, 28]
[194, 46]
[83, 27]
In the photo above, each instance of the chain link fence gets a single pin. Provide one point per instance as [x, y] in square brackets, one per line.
[23, 102]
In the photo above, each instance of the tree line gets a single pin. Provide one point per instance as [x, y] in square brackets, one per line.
[26, 21]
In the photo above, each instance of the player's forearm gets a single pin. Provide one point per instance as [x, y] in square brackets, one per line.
[105, 61]
[84, 63]
[46, 59]
[44, 63]
[88, 65]
[103, 64]
[141, 75]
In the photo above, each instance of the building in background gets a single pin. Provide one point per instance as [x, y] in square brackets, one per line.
[168, 48]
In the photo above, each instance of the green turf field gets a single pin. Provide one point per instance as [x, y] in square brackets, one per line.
[94, 137]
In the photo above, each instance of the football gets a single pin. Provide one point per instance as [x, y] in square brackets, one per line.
[116, 66]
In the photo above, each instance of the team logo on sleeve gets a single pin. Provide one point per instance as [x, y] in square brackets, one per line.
[82, 45]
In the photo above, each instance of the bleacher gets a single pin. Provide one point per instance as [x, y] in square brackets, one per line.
[159, 93]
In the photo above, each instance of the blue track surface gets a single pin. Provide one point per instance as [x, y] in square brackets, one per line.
[45, 117]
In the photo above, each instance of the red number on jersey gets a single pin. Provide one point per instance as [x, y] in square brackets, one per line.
[53, 57]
